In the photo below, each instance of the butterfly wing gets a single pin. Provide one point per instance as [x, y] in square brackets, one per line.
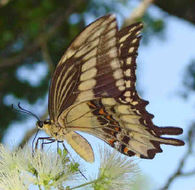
[89, 69]
[120, 125]
[129, 100]
[122, 121]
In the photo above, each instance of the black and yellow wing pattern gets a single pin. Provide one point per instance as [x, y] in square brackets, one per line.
[93, 90]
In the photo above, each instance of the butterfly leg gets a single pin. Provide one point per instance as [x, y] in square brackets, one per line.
[49, 140]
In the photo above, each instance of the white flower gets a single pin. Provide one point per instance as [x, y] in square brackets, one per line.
[12, 181]
[20, 169]
[116, 172]
[51, 168]
[8, 160]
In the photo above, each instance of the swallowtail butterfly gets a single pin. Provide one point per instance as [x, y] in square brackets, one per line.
[93, 90]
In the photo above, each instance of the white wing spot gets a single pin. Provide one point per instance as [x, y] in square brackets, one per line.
[85, 95]
[134, 41]
[113, 52]
[124, 38]
[88, 64]
[119, 136]
[88, 84]
[132, 29]
[92, 53]
[121, 88]
[129, 60]
[131, 49]
[127, 94]
[120, 82]
[118, 74]
[128, 99]
[128, 72]
[117, 144]
[109, 101]
[138, 32]
[115, 63]
[67, 55]
[128, 84]
[88, 74]
[134, 103]
[122, 101]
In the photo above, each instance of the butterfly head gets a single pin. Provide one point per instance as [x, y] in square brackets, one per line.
[48, 126]
[43, 124]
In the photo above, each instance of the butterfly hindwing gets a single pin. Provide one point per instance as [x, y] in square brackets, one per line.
[119, 126]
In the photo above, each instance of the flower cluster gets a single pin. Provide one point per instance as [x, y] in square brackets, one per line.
[115, 172]
[22, 170]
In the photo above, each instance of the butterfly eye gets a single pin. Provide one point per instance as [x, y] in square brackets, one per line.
[39, 124]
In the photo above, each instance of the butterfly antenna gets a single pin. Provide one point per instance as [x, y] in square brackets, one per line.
[22, 110]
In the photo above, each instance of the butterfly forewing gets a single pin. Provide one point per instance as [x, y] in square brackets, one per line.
[93, 90]
[89, 69]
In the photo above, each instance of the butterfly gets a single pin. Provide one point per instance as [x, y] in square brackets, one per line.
[93, 90]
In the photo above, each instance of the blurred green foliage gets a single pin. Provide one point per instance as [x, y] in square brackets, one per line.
[24, 27]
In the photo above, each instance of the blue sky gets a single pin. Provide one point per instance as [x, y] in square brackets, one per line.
[163, 63]
[161, 66]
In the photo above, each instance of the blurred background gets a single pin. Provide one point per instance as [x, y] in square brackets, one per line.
[34, 36]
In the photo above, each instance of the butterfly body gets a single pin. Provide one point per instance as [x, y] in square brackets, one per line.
[93, 90]
[54, 131]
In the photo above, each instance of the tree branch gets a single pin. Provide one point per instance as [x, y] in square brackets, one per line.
[28, 50]
[138, 12]
[179, 172]
[186, 174]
